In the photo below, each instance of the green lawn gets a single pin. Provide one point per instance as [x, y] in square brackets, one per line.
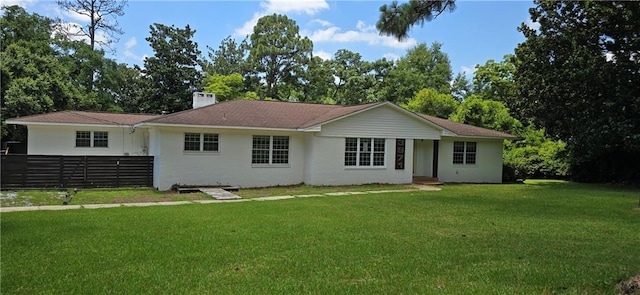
[537, 238]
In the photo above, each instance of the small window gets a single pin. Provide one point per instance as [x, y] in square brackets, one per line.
[260, 149]
[192, 141]
[280, 150]
[270, 149]
[464, 152]
[364, 152]
[83, 138]
[201, 142]
[210, 142]
[350, 151]
[101, 139]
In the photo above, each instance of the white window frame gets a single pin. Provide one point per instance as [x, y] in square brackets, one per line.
[273, 160]
[201, 143]
[466, 152]
[362, 149]
[92, 138]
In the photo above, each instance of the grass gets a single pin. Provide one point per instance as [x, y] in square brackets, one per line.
[93, 196]
[310, 190]
[536, 238]
[134, 195]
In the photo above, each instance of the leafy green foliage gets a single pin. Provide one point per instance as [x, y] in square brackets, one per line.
[422, 67]
[225, 87]
[487, 114]
[279, 55]
[578, 76]
[229, 58]
[534, 155]
[461, 87]
[396, 19]
[494, 81]
[171, 74]
[429, 101]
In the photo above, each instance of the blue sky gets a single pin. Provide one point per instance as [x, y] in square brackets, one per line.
[474, 33]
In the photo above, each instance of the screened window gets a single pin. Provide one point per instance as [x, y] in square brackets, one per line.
[192, 141]
[210, 142]
[364, 152]
[464, 152]
[100, 139]
[270, 149]
[201, 142]
[83, 138]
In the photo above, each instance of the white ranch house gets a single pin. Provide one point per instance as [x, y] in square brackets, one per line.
[250, 143]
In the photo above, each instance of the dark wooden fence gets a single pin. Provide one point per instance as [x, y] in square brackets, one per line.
[42, 171]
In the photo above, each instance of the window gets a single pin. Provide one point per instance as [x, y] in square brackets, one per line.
[201, 142]
[364, 152]
[270, 149]
[83, 138]
[464, 152]
[98, 139]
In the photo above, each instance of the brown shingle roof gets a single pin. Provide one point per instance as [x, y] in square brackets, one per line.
[79, 117]
[260, 114]
[466, 130]
[245, 113]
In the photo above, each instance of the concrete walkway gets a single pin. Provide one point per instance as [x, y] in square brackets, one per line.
[228, 199]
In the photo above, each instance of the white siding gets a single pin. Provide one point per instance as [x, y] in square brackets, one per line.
[61, 140]
[327, 158]
[381, 122]
[230, 166]
[488, 167]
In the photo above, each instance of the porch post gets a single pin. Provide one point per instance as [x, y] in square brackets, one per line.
[434, 173]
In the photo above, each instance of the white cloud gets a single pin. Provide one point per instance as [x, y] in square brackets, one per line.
[21, 3]
[130, 43]
[391, 56]
[323, 55]
[322, 22]
[468, 70]
[532, 25]
[309, 7]
[363, 33]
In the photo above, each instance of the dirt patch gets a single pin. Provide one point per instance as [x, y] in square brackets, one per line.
[630, 286]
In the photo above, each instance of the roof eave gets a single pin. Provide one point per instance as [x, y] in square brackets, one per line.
[27, 123]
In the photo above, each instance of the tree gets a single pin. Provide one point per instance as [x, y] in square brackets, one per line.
[352, 79]
[422, 67]
[396, 19]
[494, 81]
[172, 74]
[225, 87]
[487, 114]
[318, 80]
[429, 101]
[229, 58]
[460, 87]
[279, 55]
[33, 78]
[102, 18]
[578, 76]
